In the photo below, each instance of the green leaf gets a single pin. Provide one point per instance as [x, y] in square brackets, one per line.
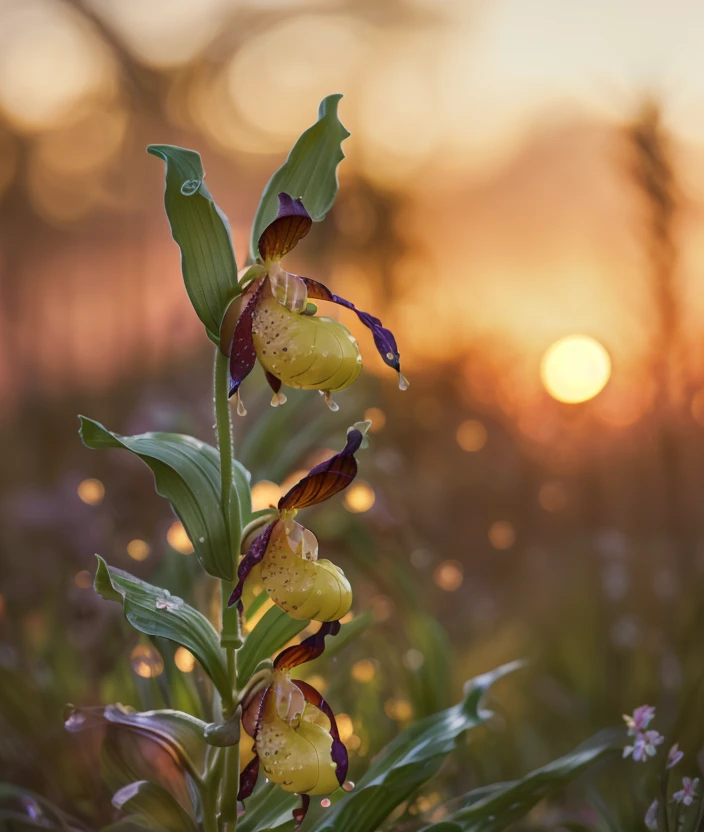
[270, 634]
[155, 805]
[507, 802]
[309, 172]
[430, 683]
[203, 234]
[409, 761]
[155, 612]
[179, 734]
[132, 823]
[186, 472]
[49, 813]
[269, 807]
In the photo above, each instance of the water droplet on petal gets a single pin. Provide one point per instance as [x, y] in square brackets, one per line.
[326, 803]
[190, 186]
[348, 786]
[403, 383]
[330, 402]
[241, 409]
[278, 398]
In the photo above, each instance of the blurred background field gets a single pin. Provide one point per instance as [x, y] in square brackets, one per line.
[518, 172]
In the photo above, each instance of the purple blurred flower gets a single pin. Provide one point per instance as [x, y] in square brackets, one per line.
[674, 755]
[639, 720]
[651, 816]
[687, 793]
[644, 746]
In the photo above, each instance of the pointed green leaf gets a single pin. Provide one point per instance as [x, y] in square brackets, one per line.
[155, 805]
[155, 612]
[409, 761]
[271, 633]
[269, 807]
[309, 172]
[186, 472]
[494, 808]
[203, 234]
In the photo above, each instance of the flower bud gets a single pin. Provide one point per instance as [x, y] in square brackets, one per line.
[303, 586]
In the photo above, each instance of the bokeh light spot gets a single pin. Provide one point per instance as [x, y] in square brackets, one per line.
[382, 607]
[575, 369]
[552, 496]
[398, 709]
[50, 62]
[184, 660]
[449, 575]
[138, 549]
[265, 494]
[359, 497]
[377, 417]
[502, 534]
[320, 683]
[363, 671]
[413, 659]
[178, 538]
[83, 579]
[146, 662]
[91, 491]
[344, 726]
[471, 435]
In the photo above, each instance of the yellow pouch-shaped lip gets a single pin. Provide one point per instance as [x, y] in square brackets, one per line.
[296, 581]
[294, 743]
[309, 353]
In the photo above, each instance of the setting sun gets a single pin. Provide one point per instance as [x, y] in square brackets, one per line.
[574, 369]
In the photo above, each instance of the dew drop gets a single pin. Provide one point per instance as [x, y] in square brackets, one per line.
[403, 382]
[326, 803]
[190, 187]
[241, 409]
[330, 402]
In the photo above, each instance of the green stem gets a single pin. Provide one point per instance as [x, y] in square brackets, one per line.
[210, 819]
[223, 423]
[228, 785]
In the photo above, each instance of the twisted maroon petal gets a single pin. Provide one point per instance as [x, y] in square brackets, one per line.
[307, 650]
[248, 779]
[383, 338]
[291, 225]
[300, 813]
[326, 479]
[254, 554]
[274, 383]
[338, 751]
[242, 353]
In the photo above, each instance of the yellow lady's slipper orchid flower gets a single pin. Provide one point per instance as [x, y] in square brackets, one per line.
[278, 325]
[296, 581]
[296, 741]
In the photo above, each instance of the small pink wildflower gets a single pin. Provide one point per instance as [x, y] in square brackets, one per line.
[674, 755]
[651, 816]
[687, 793]
[644, 746]
[639, 720]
